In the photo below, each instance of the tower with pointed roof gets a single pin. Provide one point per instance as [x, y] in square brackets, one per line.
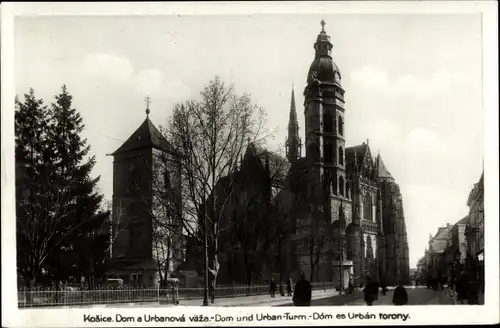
[135, 175]
[293, 142]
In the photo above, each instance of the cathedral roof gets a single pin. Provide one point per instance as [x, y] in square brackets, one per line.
[278, 165]
[382, 172]
[356, 152]
[147, 135]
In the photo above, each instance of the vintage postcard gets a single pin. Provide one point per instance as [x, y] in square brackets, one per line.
[222, 164]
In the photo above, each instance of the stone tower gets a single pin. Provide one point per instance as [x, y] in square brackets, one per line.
[324, 118]
[293, 142]
[325, 153]
[133, 172]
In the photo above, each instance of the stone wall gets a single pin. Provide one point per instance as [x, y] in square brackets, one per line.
[396, 243]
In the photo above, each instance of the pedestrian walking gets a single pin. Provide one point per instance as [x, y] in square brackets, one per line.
[370, 292]
[473, 291]
[302, 292]
[384, 289]
[289, 286]
[272, 287]
[350, 288]
[461, 288]
[400, 296]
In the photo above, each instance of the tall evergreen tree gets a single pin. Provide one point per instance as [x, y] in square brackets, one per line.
[32, 157]
[59, 220]
[88, 238]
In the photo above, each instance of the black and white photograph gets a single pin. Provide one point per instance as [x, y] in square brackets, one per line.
[169, 160]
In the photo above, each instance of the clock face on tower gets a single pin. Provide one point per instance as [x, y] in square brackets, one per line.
[337, 77]
[314, 75]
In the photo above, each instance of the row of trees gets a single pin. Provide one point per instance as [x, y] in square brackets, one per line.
[60, 224]
[61, 227]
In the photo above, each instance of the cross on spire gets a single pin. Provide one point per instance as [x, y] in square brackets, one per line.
[148, 101]
[322, 25]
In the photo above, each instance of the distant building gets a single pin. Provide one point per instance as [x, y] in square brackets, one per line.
[475, 231]
[437, 262]
[475, 224]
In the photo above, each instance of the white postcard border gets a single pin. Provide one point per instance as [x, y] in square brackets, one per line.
[489, 313]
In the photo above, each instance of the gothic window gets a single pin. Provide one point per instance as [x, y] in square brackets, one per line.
[328, 123]
[328, 153]
[367, 207]
[341, 156]
[341, 125]
[369, 247]
[347, 189]
[341, 185]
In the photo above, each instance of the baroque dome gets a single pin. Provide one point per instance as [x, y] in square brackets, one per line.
[323, 68]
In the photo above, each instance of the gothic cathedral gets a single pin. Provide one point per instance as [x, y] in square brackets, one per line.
[347, 208]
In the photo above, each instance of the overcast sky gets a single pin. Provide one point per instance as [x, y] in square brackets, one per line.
[413, 86]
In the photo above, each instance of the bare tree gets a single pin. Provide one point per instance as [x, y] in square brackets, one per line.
[208, 137]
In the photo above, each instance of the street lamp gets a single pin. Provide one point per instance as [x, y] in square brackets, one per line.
[341, 246]
[341, 259]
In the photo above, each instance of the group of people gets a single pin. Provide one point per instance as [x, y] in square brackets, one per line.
[302, 292]
[468, 288]
[371, 290]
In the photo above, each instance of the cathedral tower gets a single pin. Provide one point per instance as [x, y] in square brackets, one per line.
[293, 142]
[324, 115]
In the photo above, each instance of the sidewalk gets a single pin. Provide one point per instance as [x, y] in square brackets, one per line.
[258, 300]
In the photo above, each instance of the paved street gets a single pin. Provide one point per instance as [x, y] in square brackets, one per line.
[260, 300]
[416, 296]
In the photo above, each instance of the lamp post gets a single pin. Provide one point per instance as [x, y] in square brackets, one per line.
[341, 255]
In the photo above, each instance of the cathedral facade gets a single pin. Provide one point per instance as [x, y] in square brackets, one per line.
[347, 207]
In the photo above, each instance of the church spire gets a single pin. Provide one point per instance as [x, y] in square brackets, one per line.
[293, 141]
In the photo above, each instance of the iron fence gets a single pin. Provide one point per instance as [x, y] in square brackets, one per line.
[51, 297]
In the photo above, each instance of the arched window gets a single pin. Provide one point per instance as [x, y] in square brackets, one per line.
[367, 207]
[341, 186]
[328, 123]
[369, 247]
[328, 153]
[347, 189]
[341, 156]
[340, 125]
